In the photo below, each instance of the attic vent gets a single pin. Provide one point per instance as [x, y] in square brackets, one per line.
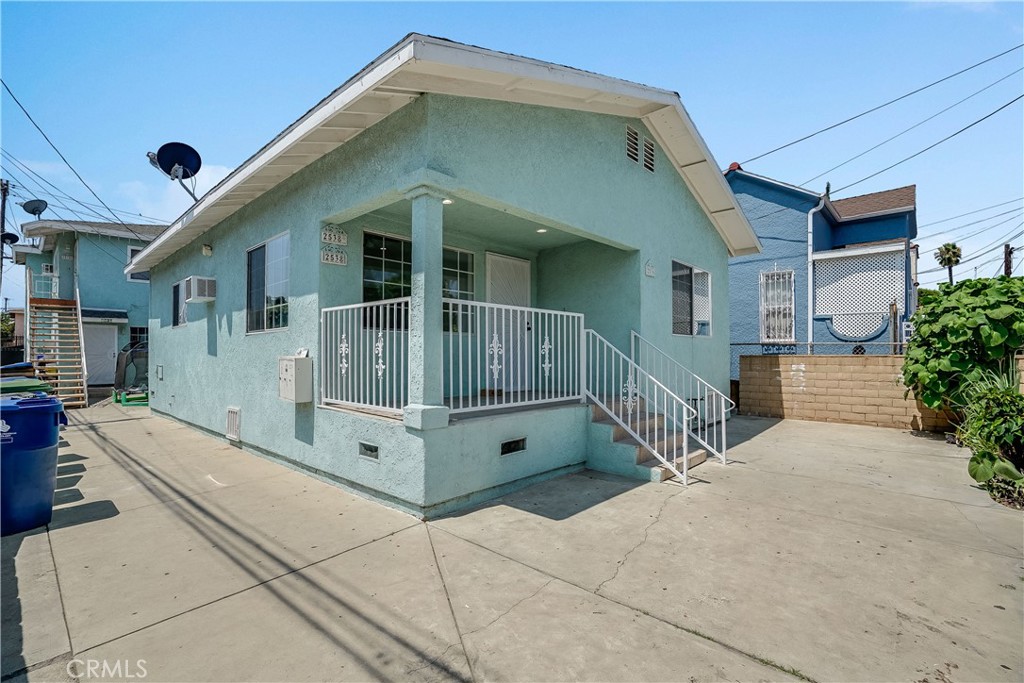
[649, 154]
[632, 144]
[234, 430]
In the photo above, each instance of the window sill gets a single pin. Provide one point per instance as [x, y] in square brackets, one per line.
[259, 332]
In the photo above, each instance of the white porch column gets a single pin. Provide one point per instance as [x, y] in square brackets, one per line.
[426, 409]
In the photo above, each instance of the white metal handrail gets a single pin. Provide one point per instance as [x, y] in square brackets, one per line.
[498, 356]
[81, 341]
[710, 404]
[648, 411]
[364, 353]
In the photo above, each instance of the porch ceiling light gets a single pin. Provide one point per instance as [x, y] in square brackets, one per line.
[542, 230]
[447, 202]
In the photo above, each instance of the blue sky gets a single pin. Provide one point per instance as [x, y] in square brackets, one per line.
[109, 82]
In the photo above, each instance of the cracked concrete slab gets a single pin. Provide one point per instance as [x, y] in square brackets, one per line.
[521, 625]
[844, 553]
[374, 613]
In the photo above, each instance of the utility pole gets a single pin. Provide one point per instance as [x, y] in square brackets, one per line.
[1007, 259]
[4, 189]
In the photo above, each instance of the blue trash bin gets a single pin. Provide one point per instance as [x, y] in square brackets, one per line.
[29, 433]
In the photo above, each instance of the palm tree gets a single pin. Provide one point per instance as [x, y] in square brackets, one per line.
[948, 255]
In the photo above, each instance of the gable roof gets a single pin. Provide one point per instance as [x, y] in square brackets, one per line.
[887, 201]
[425, 64]
[736, 170]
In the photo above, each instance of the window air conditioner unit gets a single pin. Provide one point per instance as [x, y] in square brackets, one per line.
[200, 289]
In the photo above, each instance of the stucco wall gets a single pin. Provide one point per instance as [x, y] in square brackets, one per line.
[865, 390]
[780, 219]
[562, 166]
[103, 284]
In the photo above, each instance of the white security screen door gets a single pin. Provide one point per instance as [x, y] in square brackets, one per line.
[508, 284]
[100, 352]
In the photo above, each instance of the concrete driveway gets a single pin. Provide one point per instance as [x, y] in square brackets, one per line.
[823, 552]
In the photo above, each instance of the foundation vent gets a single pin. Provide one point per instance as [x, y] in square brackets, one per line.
[369, 450]
[513, 446]
[234, 430]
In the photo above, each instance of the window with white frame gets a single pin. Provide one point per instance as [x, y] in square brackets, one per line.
[691, 300]
[179, 309]
[136, 277]
[778, 306]
[387, 274]
[387, 269]
[267, 285]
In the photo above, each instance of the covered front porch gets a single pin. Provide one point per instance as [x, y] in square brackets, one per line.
[450, 305]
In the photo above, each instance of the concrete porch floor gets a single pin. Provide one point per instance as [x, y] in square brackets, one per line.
[824, 551]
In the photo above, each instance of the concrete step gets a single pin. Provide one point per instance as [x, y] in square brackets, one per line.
[658, 472]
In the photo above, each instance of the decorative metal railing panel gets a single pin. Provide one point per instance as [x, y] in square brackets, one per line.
[652, 414]
[364, 351]
[499, 356]
[44, 286]
[710, 405]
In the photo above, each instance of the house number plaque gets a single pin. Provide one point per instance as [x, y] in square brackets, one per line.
[332, 234]
[333, 255]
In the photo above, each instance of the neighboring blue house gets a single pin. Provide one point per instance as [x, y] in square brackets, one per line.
[834, 277]
[430, 286]
[82, 308]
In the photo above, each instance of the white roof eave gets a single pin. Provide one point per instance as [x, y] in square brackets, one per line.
[420, 63]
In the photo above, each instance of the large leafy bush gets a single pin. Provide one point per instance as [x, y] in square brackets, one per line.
[992, 426]
[969, 328]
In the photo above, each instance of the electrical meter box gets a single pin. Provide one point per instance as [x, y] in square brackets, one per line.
[295, 378]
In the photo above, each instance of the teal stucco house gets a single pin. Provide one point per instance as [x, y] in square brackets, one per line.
[461, 272]
[82, 308]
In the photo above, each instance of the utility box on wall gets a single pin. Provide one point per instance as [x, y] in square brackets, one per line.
[295, 378]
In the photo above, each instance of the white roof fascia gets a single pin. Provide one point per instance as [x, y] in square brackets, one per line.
[143, 261]
[857, 251]
[427, 58]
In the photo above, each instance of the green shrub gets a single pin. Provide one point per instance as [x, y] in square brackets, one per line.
[992, 425]
[970, 327]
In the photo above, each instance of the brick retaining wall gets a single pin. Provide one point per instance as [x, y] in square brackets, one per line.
[865, 390]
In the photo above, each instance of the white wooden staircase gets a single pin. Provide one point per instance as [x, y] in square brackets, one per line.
[54, 332]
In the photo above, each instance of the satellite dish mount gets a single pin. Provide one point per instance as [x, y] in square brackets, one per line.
[177, 161]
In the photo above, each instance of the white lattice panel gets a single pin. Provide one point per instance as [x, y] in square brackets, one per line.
[859, 284]
[857, 325]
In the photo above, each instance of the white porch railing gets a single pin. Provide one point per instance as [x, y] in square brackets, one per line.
[44, 286]
[504, 356]
[709, 404]
[653, 415]
[364, 355]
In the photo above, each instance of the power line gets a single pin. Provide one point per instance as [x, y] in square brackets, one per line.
[916, 125]
[995, 245]
[83, 234]
[55, 201]
[61, 194]
[986, 208]
[932, 146]
[945, 234]
[881, 106]
[64, 159]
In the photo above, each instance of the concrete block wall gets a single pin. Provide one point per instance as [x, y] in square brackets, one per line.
[866, 390]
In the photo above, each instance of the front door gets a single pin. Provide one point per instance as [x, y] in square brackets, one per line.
[100, 352]
[508, 284]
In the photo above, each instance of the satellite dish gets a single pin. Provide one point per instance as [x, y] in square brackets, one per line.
[35, 206]
[178, 160]
[8, 238]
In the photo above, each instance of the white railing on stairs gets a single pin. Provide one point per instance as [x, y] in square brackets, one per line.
[81, 343]
[710, 405]
[640, 404]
